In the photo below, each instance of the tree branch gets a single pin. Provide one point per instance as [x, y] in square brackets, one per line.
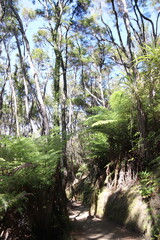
[147, 19]
[118, 29]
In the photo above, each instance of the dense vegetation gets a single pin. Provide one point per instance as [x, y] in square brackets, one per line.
[32, 197]
[79, 100]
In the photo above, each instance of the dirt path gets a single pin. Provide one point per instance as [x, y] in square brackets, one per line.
[89, 228]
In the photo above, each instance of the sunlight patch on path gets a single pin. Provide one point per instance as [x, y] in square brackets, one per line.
[93, 228]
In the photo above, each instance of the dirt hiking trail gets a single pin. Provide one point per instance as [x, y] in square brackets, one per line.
[93, 228]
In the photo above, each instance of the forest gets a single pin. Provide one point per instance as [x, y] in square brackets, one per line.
[79, 113]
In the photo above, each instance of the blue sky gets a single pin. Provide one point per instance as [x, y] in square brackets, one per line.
[33, 25]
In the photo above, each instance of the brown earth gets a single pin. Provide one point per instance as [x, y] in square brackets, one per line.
[87, 227]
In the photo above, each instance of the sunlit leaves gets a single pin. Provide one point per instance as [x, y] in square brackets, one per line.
[39, 55]
[26, 163]
[96, 145]
[121, 102]
[30, 157]
[102, 122]
[28, 14]
[110, 124]
[148, 83]
[41, 38]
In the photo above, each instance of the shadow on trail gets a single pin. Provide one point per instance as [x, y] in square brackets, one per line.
[92, 228]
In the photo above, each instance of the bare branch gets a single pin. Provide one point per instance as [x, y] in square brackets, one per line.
[97, 99]
[157, 23]
[147, 19]
[118, 29]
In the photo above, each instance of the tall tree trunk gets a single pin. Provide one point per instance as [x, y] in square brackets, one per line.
[63, 121]
[1, 97]
[141, 115]
[45, 124]
[56, 76]
[142, 127]
[13, 92]
[101, 88]
[15, 105]
[130, 66]
[64, 133]
[127, 26]
[1, 11]
[33, 127]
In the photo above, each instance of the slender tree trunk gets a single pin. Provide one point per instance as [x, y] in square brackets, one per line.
[142, 126]
[13, 93]
[64, 121]
[64, 134]
[1, 11]
[141, 115]
[1, 98]
[11, 116]
[45, 124]
[132, 72]
[33, 127]
[127, 26]
[57, 75]
[70, 114]
[101, 88]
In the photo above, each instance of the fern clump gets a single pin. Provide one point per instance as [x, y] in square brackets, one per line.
[26, 164]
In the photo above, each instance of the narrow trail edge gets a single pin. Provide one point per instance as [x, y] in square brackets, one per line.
[86, 227]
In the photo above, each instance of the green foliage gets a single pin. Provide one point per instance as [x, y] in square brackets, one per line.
[148, 83]
[79, 101]
[97, 143]
[147, 89]
[155, 163]
[108, 131]
[12, 200]
[28, 14]
[114, 122]
[26, 164]
[87, 194]
[148, 184]
[85, 191]
[88, 21]
[83, 169]
[121, 102]
[40, 56]
[41, 37]
[156, 228]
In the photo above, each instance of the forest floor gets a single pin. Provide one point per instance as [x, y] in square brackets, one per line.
[86, 227]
